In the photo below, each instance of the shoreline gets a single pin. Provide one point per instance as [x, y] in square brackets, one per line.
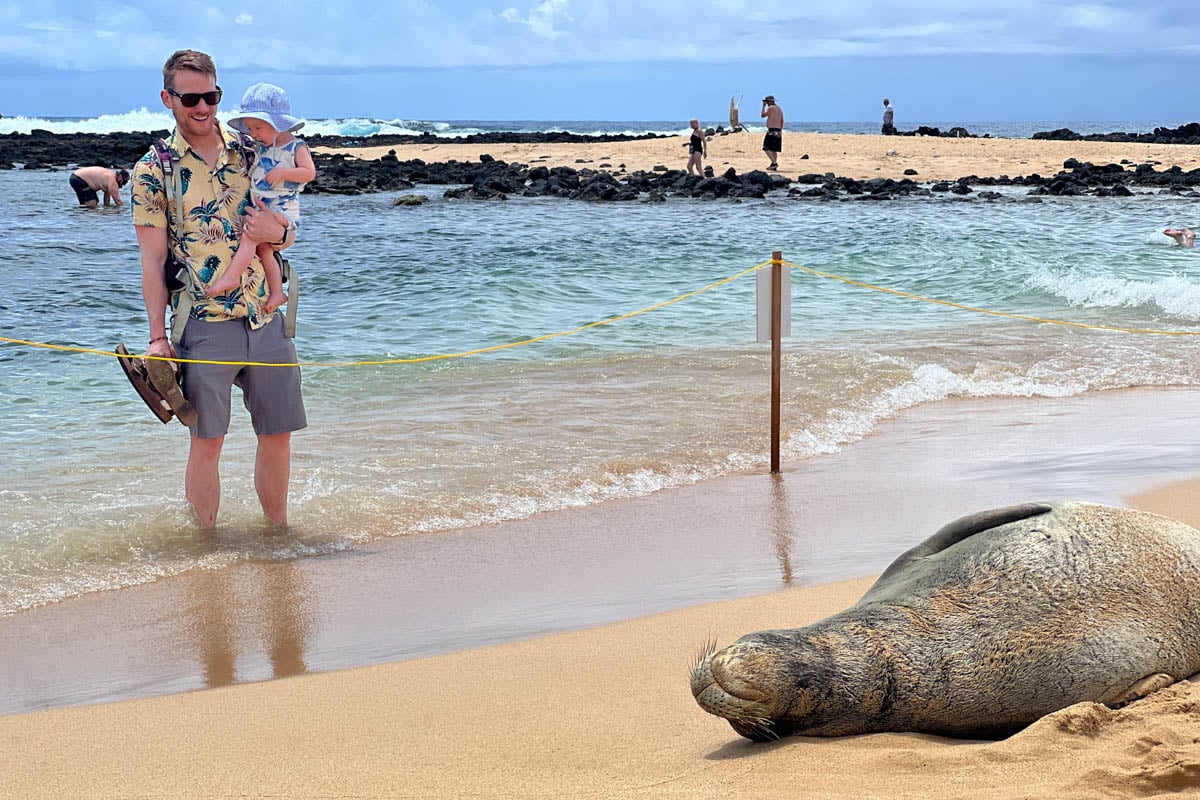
[741, 535]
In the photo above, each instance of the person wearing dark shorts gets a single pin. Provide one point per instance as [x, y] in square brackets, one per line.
[773, 141]
[236, 327]
[88, 182]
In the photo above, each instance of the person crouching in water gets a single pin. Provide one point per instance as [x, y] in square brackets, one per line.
[282, 165]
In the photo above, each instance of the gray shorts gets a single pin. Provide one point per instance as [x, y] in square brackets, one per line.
[271, 394]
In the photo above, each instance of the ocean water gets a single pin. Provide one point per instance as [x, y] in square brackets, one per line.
[143, 119]
[91, 494]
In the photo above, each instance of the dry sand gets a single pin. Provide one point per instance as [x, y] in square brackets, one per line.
[606, 711]
[846, 155]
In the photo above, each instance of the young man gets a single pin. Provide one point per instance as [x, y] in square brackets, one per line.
[216, 205]
[773, 141]
[87, 181]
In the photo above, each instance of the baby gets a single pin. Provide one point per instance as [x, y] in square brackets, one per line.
[282, 165]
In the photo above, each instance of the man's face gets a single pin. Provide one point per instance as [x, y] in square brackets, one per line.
[200, 120]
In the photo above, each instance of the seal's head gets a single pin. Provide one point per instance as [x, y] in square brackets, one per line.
[769, 685]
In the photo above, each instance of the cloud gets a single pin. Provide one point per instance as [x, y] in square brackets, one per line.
[541, 18]
[316, 35]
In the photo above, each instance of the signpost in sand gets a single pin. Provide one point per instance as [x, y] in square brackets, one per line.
[774, 296]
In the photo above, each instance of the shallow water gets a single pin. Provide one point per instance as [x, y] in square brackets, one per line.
[91, 484]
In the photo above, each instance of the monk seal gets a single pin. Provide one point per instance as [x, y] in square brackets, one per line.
[996, 620]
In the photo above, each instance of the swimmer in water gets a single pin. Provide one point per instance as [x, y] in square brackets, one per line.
[1186, 237]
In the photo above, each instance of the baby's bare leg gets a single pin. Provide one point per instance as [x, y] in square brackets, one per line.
[275, 295]
[231, 278]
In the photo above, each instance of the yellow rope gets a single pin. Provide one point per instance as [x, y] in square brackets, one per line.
[380, 362]
[619, 318]
[978, 310]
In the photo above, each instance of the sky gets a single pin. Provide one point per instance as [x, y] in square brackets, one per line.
[952, 61]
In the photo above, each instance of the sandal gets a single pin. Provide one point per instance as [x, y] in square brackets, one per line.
[164, 377]
[135, 371]
[156, 383]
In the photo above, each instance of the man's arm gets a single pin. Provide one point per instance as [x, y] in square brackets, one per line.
[152, 242]
[112, 190]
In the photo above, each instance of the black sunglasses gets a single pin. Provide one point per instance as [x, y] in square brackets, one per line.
[192, 99]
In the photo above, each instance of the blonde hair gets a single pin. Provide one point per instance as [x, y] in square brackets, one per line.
[192, 60]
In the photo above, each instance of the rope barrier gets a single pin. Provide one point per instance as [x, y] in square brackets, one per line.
[416, 360]
[545, 337]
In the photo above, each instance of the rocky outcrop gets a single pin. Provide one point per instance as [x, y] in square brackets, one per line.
[490, 179]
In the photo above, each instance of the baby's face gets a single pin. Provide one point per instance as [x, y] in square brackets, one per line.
[261, 131]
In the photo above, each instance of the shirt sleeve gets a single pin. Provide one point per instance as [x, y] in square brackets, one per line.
[148, 196]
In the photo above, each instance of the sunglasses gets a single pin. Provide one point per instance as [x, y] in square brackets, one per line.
[192, 99]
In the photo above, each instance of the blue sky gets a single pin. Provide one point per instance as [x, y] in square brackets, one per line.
[939, 60]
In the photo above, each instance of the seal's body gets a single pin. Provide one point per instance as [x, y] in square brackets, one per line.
[994, 621]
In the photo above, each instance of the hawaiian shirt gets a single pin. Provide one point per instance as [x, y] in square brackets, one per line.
[214, 206]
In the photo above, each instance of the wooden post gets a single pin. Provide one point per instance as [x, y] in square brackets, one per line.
[776, 351]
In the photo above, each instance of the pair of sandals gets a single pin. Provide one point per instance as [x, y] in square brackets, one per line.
[157, 383]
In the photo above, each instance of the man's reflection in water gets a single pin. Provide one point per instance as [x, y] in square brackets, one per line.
[228, 627]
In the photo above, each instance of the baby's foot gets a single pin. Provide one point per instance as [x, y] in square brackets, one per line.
[226, 284]
[275, 300]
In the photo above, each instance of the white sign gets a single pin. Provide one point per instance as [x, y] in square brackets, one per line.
[763, 286]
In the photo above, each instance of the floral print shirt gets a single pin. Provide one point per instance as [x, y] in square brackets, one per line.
[214, 205]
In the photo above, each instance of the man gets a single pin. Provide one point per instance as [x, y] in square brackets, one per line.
[773, 141]
[211, 167]
[888, 128]
[87, 181]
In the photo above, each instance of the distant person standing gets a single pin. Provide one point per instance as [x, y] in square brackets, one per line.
[697, 149]
[773, 141]
[888, 128]
[87, 181]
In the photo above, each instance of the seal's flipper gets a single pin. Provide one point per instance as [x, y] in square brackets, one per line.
[165, 380]
[1147, 685]
[135, 371]
[956, 531]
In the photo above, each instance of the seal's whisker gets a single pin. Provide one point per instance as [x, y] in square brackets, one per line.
[707, 648]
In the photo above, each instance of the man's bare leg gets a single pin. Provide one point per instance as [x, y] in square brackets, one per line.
[202, 480]
[272, 469]
[1185, 237]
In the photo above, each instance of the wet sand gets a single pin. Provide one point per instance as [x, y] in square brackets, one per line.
[857, 156]
[581, 627]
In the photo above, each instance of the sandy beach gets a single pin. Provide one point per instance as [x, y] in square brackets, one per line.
[601, 709]
[860, 157]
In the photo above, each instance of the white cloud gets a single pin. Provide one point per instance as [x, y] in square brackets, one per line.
[541, 19]
[318, 35]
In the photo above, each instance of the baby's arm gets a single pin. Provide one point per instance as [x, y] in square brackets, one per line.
[304, 171]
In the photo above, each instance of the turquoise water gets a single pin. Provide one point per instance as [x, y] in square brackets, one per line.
[91, 484]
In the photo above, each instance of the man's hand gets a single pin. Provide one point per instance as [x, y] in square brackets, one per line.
[264, 225]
